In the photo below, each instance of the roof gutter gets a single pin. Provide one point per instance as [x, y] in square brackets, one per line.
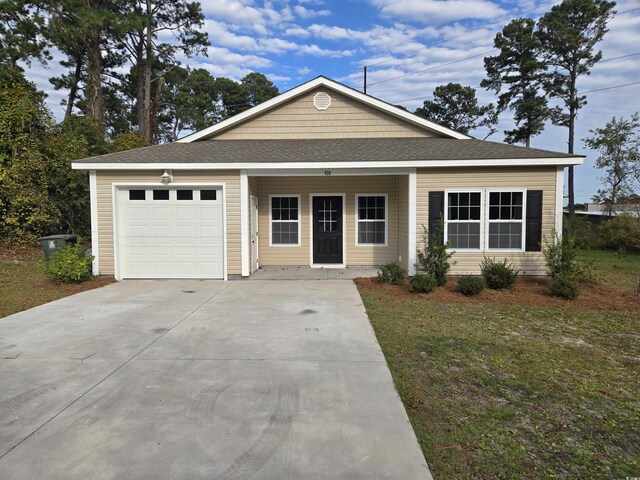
[503, 162]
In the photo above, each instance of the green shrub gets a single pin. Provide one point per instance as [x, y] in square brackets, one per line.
[584, 232]
[565, 287]
[391, 273]
[470, 285]
[433, 258]
[621, 233]
[498, 275]
[560, 256]
[70, 264]
[422, 283]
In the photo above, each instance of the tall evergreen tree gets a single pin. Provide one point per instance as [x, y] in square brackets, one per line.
[86, 27]
[147, 20]
[21, 33]
[456, 106]
[516, 74]
[568, 35]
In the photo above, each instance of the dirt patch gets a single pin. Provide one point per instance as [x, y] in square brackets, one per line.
[527, 291]
[71, 288]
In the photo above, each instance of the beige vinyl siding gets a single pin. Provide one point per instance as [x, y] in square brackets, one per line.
[403, 221]
[345, 118]
[106, 178]
[530, 178]
[350, 185]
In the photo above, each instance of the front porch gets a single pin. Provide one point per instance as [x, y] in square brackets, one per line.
[285, 272]
[342, 223]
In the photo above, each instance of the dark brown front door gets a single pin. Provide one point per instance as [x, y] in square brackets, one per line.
[327, 230]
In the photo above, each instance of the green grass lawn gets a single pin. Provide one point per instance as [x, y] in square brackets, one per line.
[23, 284]
[506, 391]
[614, 269]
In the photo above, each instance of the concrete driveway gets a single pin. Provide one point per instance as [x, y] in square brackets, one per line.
[201, 379]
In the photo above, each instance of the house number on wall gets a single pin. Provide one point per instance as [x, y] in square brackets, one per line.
[327, 173]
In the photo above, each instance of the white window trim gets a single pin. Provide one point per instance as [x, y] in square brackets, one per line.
[386, 220]
[481, 221]
[522, 220]
[271, 220]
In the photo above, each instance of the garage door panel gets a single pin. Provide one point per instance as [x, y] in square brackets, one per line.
[210, 214]
[138, 214]
[170, 239]
[162, 213]
[161, 231]
[185, 231]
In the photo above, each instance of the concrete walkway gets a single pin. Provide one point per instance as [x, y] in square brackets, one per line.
[308, 273]
[201, 379]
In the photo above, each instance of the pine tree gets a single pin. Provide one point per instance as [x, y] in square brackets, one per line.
[516, 74]
[568, 35]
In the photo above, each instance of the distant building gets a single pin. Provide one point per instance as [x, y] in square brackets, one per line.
[602, 209]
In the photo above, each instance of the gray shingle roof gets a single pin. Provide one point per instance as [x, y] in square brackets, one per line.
[325, 150]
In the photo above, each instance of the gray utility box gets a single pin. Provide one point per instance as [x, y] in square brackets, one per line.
[55, 242]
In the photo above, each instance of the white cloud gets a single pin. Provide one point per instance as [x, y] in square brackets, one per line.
[306, 13]
[433, 12]
[303, 71]
[277, 78]
[296, 31]
[243, 13]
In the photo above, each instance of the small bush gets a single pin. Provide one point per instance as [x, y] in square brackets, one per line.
[560, 256]
[498, 275]
[433, 258]
[391, 273]
[70, 264]
[565, 287]
[422, 283]
[471, 286]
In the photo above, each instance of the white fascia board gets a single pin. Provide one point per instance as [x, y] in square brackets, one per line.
[93, 196]
[559, 200]
[317, 82]
[504, 162]
[244, 223]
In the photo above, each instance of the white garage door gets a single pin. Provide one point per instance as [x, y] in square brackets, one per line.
[170, 232]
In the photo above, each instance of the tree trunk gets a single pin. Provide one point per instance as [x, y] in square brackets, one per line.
[572, 125]
[73, 91]
[147, 133]
[528, 141]
[153, 121]
[140, 84]
[95, 98]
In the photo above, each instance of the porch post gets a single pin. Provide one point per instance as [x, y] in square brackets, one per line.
[412, 221]
[244, 222]
[93, 198]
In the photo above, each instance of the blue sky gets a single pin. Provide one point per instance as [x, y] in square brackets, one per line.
[295, 40]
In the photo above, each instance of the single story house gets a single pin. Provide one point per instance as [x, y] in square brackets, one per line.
[321, 176]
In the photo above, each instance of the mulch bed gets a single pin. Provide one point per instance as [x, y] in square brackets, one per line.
[532, 291]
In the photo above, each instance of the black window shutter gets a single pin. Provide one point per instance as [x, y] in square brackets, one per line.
[436, 213]
[533, 241]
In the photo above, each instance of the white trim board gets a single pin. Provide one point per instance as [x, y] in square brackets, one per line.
[95, 240]
[244, 224]
[559, 200]
[332, 85]
[501, 162]
[412, 219]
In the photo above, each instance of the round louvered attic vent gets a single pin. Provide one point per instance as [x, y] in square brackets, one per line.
[321, 100]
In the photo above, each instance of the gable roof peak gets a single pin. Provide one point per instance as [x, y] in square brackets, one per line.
[321, 80]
